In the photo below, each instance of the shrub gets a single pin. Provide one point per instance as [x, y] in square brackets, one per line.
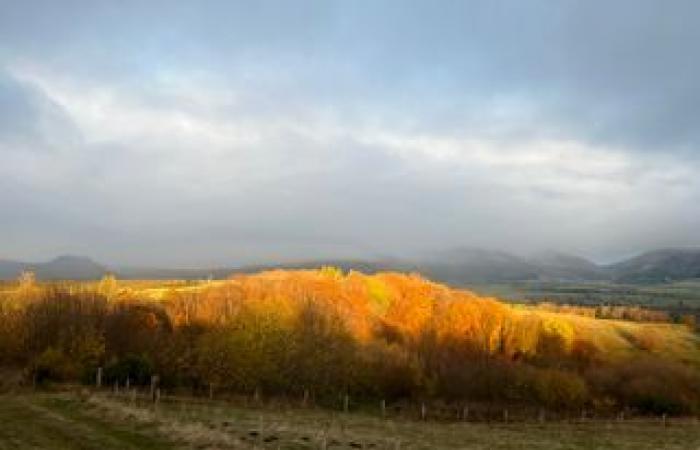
[137, 368]
[53, 365]
[559, 389]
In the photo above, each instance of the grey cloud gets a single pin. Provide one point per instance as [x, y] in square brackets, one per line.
[314, 84]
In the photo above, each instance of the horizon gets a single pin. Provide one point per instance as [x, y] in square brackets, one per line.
[174, 134]
[282, 263]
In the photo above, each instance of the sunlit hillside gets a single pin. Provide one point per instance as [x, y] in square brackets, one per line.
[323, 333]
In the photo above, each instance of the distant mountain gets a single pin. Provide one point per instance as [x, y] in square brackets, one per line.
[224, 272]
[475, 265]
[557, 266]
[10, 269]
[65, 267]
[658, 266]
[458, 267]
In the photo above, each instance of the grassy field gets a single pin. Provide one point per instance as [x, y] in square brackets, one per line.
[664, 295]
[88, 421]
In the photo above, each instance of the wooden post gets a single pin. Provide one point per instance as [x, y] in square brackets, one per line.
[423, 411]
[128, 384]
[346, 403]
[465, 413]
[663, 419]
[116, 387]
[382, 406]
[541, 417]
[256, 395]
[183, 409]
[305, 400]
[155, 381]
[98, 378]
[211, 391]
[505, 415]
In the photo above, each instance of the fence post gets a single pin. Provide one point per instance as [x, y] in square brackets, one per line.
[423, 411]
[155, 379]
[346, 403]
[505, 415]
[541, 417]
[305, 399]
[465, 413]
[98, 378]
[382, 406]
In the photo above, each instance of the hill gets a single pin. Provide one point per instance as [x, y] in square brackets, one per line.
[658, 266]
[558, 266]
[469, 265]
[66, 267]
[329, 333]
[458, 267]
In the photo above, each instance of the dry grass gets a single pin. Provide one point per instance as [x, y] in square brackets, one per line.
[618, 339]
[86, 421]
[191, 423]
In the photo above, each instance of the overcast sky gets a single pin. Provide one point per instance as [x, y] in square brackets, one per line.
[205, 133]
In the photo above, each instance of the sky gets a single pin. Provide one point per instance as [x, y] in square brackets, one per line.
[182, 134]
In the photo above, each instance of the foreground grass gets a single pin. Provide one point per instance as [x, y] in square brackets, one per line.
[88, 421]
[59, 422]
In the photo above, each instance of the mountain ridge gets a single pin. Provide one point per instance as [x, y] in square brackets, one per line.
[457, 266]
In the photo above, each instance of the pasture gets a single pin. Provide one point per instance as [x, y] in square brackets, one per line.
[81, 420]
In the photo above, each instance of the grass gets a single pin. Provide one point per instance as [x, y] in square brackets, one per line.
[98, 421]
[659, 295]
[59, 422]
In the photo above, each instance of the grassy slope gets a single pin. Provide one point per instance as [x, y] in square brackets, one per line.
[616, 338]
[63, 421]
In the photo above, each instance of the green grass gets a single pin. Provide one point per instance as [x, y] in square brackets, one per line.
[71, 421]
[673, 294]
[60, 422]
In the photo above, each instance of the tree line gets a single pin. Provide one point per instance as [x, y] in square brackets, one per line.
[323, 333]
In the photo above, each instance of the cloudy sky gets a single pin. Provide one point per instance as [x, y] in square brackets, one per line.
[198, 133]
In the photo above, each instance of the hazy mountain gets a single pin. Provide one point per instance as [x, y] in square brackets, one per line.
[461, 266]
[65, 267]
[562, 266]
[223, 272]
[658, 265]
[10, 269]
[474, 265]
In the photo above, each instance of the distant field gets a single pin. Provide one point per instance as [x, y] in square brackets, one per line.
[70, 421]
[680, 294]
